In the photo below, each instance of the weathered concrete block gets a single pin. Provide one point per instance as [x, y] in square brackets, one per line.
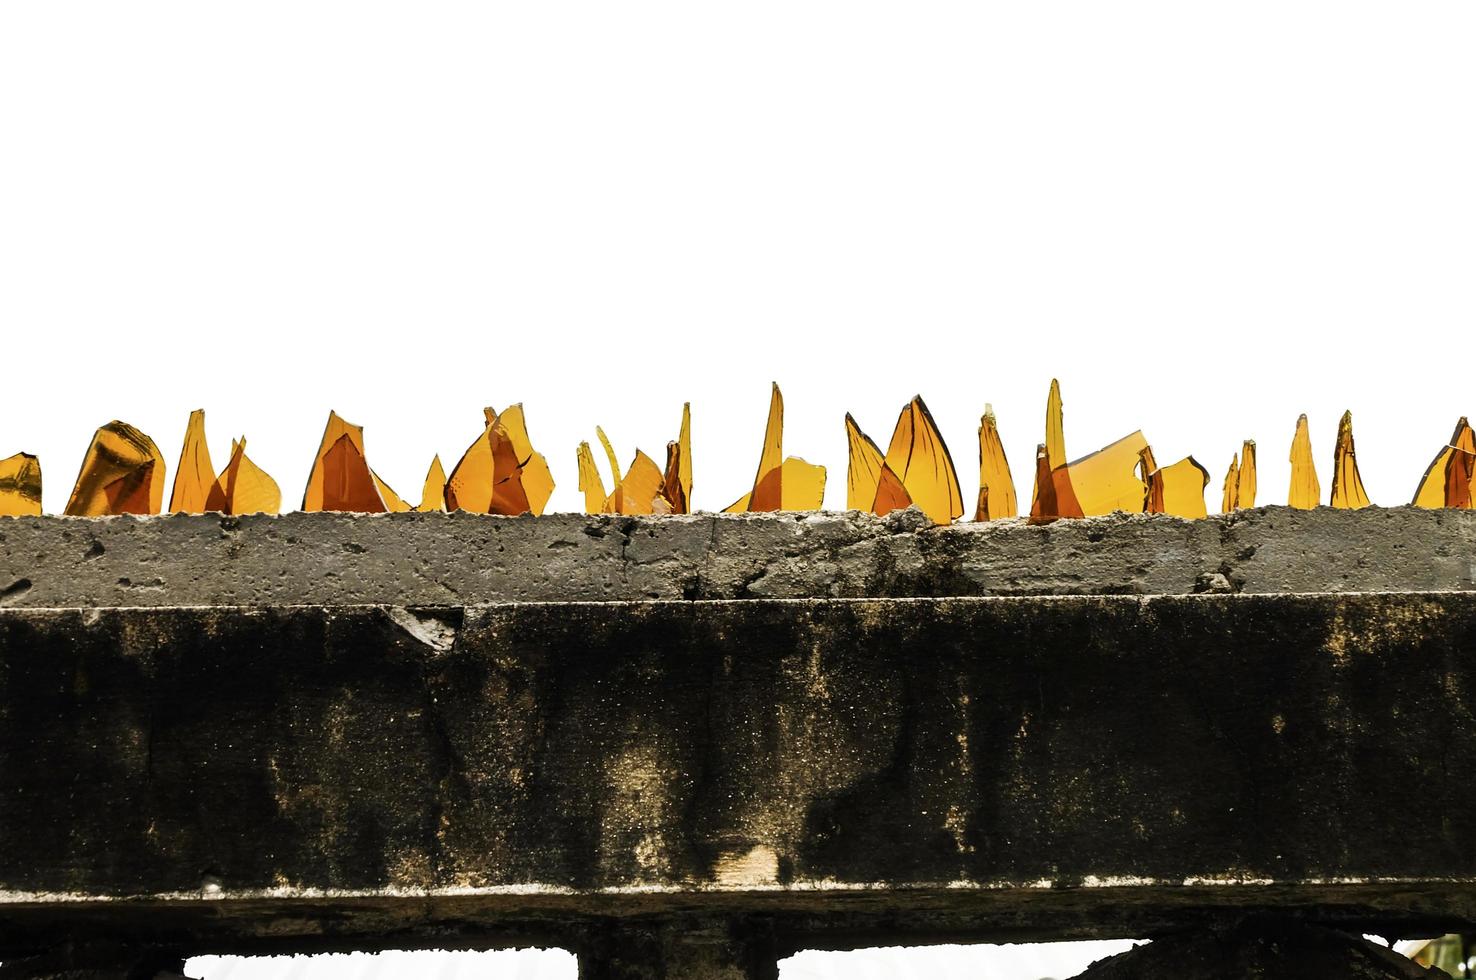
[470, 559]
[231, 778]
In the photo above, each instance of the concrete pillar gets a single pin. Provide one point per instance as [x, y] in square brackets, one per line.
[660, 951]
[1261, 953]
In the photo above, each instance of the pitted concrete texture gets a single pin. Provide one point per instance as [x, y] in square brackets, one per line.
[455, 559]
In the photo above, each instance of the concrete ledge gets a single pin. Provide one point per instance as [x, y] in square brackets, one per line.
[470, 559]
[875, 768]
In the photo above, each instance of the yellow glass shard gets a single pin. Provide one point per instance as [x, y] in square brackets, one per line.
[1178, 489]
[590, 483]
[1053, 497]
[676, 486]
[122, 473]
[1230, 495]
[1347, 485]
[1055, 428]
[341, 479]
[433, 493]
[996, 485]
[194, 477]
[921, 461]
[803, 484]
[1447, 480]
[1305, 491]
[1107, 480]
[609, 456]
[500, 473]
[638, 489]
[871, 485]
[20, 486]
[1245, 494]
[392, 501]
[243, 487]
[770, 491]
[1147, 466]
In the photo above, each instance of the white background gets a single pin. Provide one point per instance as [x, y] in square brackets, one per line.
[1204, 219]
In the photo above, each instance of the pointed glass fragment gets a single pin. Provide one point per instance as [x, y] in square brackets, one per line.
[676, 486]
[122, 473]
[1055, 427]
[340, 479]
[638, 489]
[20, 486]
[921, 461]
[1230, 495]
[590, 483]
[243, 487]
[194, 477]
[1053, 497]
[871, 485]
[392, 501]
[1305, 491]
[609, 455]
[781, 484]
[996, 485]
[500, 473]
[1347, 485]
[1245, 494]
[433, 494]
[1447, 480]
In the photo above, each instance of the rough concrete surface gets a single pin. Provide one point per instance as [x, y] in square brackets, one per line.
[468, 559]
[1014, 767]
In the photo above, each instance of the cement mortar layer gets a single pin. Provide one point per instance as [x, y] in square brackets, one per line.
[460, 558]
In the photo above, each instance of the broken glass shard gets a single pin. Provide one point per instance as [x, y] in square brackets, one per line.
[122, 473]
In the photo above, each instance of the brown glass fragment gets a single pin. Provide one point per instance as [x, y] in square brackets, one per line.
[871, 486]
[1178, 489]
[996, 485]
[243, 487]
[1347, 485]
[1447, 480]
[20, 486]
[1099, 483]
[340, 479]
[644, 488]
[676, 485]
[1230, 495]
[1054, 497]
[501, 473]
[1305, 491]
[194, 477]
[920, 460]
[590, 483]
[122, 473]
[781, 483]
[433, 493]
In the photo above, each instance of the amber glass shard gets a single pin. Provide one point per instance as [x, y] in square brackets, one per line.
[638, 489]
[609, 456]
[769, 489]
[122, 473]
[803, 484]
[863, 472]
[590, 483]
[243, 487]
[871, 485]
[20, 486]
[1055, 427]
[433, 493]
[195, 476]
[341, 480]
[1245, 494]
[921, 461]
[1054, 497]
[392, 501]
[1447, 480]
[996, 485]
[1107, 480]
[1178, 489]
[1305, 491]
[1152, 493]
[493, 478]
[676, 486]
[1347, 485]
[1230, 495]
